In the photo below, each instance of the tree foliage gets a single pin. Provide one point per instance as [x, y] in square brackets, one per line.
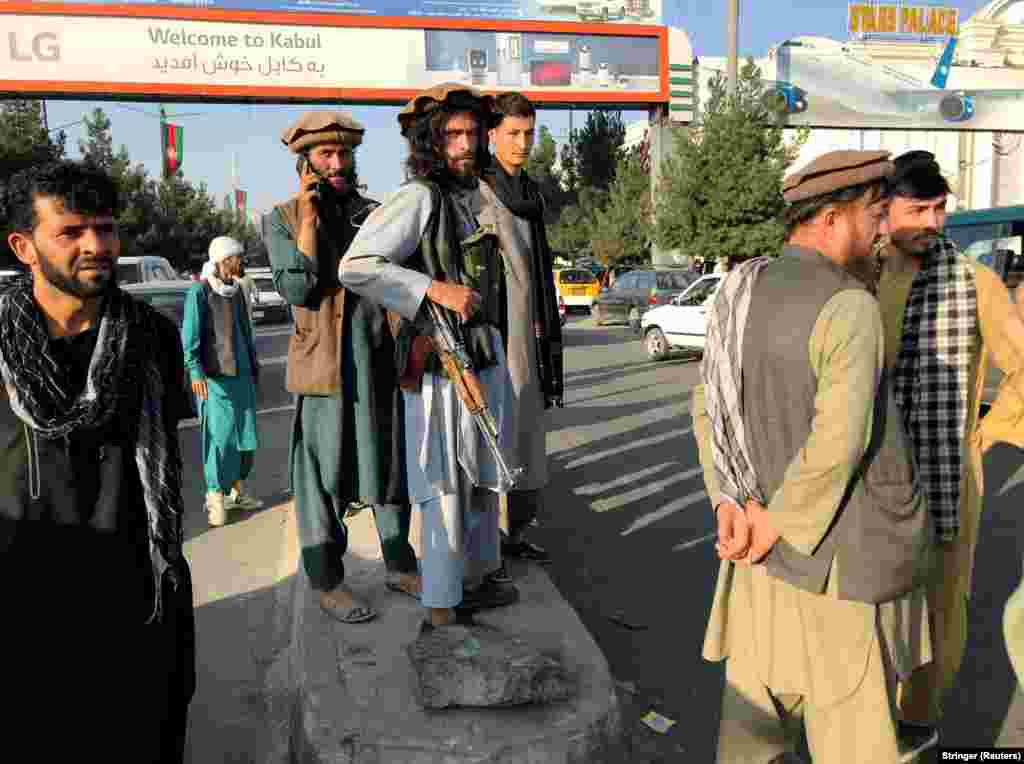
[721, 187]
[623, 225]
[170, 217]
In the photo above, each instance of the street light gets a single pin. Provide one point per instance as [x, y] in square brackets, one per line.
[732, 67]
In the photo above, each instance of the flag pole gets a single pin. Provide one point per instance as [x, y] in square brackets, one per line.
[163, 141]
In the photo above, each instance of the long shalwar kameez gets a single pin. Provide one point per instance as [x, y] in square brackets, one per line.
[452, 475]
[228, 415]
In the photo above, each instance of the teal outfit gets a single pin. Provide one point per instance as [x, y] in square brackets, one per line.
[344, 448]
[228, 415]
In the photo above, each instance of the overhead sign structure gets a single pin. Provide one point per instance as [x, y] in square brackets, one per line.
[100, 50]
[826, 84]
[614, 11]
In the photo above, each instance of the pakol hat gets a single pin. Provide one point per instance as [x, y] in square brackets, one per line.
[316, 127]
[451, 94]
[834, 171]
[224, 247]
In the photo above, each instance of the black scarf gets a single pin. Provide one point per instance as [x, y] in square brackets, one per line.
[523, 199]
[124, 362]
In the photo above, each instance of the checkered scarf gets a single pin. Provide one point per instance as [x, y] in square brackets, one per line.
[932, 376]
[123, 362]
[722, 374]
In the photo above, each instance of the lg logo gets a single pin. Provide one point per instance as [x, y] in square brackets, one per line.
[42, 47]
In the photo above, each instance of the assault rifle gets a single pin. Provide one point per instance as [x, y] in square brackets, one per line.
[459, 367]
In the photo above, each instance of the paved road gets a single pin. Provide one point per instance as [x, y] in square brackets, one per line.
[628, 523]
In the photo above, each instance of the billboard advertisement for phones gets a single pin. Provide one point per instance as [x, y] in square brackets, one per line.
[339, 60]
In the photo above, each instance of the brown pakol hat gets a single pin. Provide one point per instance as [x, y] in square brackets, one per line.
[447, 93]
[316, 127]
[835, 170]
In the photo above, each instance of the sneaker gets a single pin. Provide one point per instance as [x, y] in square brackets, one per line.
[216, 512]
[914, 739]
[241, 501]
[524, 550]
[501, 575]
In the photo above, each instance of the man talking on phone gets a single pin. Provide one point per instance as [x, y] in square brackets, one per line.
[341, 368]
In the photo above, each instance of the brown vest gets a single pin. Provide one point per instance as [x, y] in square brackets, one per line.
[314, 350]
[882, 532]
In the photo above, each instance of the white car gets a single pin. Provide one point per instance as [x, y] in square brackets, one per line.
[266, 304]
[682, 323]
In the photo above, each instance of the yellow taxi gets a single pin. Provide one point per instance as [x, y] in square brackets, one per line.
[577, 286]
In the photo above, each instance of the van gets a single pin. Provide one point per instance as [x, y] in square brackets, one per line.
[577, 286]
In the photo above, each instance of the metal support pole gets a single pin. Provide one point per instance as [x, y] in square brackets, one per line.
[732, 44]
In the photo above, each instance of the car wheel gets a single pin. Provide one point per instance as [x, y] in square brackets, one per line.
[656, 344]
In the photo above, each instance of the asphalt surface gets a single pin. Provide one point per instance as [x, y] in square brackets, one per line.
[628, 524]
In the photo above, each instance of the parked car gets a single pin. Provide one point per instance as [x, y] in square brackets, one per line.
[142, 270]
[682, 323]
[634, 293]
[168, 297]
[579, 287]
[9, 275]
[266, 304]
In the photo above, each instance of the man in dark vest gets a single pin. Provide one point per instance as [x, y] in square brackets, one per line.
[220, 357]
[347, 432]
[437, 249]
[823, 530]
[534, 331]
[98, 629]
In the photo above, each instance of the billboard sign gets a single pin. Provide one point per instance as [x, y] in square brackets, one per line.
[898, 19]
[343, 59]
[610, 11]
[828, 84]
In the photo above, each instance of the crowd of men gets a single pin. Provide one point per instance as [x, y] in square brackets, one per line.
[837, 424]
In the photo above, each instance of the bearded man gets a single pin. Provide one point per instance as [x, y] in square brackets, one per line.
[220, 356]
[98, 613]
[440, 240]
[823, 531]
[946, 318]
[346, 437]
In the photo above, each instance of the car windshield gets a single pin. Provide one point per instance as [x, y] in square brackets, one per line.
[577, 277]
[670, 280]
[160, 271]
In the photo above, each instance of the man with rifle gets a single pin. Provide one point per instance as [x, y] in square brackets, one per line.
[432, 256]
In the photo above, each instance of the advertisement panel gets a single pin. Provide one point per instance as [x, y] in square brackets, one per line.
[611, 11]
[337, 61]
[827, 84]
[899, 20]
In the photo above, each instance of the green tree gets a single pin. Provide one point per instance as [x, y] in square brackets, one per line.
[721, 187]
[623, 226]
[98, 147]
[592, 153]
[24, 140]
[541, 166]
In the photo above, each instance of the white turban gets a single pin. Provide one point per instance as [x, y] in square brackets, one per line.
[224, 247]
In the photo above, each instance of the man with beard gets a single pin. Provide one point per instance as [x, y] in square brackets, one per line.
[220, 357]
[946, 317]
[438, 240]
[347, 433]
[98, 619]
[823, 531]
[533, 329]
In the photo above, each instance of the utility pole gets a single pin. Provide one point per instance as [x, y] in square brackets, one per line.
[732, 34]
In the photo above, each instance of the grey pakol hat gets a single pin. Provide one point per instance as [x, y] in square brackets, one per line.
[316, 127]
[835, 170]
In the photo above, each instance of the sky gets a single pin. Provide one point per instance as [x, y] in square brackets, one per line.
[220, 136]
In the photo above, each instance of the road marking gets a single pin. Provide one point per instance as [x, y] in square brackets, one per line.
[591, 458]
[592, 489]
[186, 424]
[695, 542]
[644, 491]
[669, 509]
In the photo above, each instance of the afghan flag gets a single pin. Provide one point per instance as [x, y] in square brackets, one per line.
[173, 148]
[240, 203]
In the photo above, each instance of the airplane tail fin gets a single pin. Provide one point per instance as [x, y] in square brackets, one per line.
[944, 65]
